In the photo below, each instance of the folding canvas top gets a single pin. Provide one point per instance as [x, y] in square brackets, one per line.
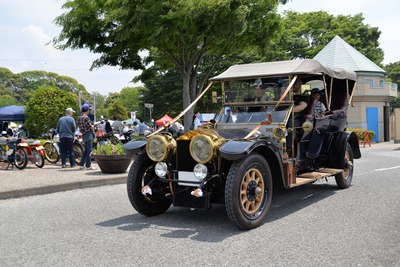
[283, 68]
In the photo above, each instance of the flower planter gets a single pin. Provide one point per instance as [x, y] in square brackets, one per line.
[113, 163]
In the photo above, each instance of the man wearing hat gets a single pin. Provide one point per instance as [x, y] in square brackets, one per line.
[66, 128]
[86, 128]
[319, 106]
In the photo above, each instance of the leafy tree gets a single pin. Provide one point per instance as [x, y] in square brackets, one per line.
[5, 75]
[307, 33]
[7, 96]
[164, 90]
[117, 109]
[393, 69]
[180, 32]
[45, 107]
[130, 98]
[21, 86]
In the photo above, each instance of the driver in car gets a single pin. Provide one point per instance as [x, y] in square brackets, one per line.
[300, 104]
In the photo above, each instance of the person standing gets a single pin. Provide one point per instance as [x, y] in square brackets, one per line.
[86, 128]
[142, 127]
[66, 128]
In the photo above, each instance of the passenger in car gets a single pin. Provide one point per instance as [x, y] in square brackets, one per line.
[319, 106]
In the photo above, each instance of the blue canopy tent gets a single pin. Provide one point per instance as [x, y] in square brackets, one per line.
[12, 113]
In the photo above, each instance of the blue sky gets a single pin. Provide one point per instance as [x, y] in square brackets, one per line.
[27, 27]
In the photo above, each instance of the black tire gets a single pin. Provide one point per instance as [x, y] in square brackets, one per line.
[50, 152]
[38, 159]
[78, 153]
[248, 191]
[140, 174]
[21, 158]
[343, 180]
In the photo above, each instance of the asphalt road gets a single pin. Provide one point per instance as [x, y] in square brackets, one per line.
[313, 225]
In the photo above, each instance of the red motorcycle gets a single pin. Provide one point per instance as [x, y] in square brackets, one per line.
[34, 151]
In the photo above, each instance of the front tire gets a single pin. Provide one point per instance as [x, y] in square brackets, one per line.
[21, 158]
[38, 159]
[140, 174]
[50, 152]
[248, 191]
[343, 180]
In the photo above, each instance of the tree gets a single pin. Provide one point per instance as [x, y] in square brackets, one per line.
[163, 89]
[45, 107]
[180, 32]
[22, 85]
[130, 98]
[117, 109]
[393, 69]
[307, 33]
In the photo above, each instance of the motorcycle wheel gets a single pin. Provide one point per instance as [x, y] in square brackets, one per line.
[38, 159]
[21, 158]
[78, 153]
[50, 152]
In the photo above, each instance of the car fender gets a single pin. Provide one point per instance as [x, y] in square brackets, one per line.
[236, 149]
[134, 146]
[337, 150]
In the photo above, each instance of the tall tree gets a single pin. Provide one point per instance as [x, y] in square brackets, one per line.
[180, 32]
[393, 70]
[118, 110]
[130, 98]
[21, 86]
[307, 33]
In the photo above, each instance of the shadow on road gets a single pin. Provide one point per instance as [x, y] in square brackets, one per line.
[214, 225]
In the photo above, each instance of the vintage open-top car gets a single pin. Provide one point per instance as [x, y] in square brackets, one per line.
[240, 159]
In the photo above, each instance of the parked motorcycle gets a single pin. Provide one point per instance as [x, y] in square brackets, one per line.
[12, 152]
[52, 148]
[35, 152]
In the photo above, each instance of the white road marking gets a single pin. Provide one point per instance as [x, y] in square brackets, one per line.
[386, 169]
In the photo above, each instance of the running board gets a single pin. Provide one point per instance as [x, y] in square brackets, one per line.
[310, 177]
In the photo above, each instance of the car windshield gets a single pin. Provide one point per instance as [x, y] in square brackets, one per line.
[252, 114]
[254, 90]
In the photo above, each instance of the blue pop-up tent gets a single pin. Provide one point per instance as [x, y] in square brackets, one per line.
[12, 113]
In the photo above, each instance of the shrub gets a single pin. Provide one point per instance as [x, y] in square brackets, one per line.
[362, 132]
[109, 149]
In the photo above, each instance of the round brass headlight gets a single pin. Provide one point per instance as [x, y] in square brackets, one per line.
[280, 133]
[202, 148]
[307, 126]
[159, 146]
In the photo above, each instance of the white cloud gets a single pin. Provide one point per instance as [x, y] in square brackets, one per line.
[27, 26]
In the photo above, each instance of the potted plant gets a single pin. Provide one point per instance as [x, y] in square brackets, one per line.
[111, 158]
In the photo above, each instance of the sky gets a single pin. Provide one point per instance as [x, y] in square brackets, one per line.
[27, 28]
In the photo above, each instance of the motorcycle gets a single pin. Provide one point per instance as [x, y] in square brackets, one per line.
[52, 148]
[13, 152]
[35, 152]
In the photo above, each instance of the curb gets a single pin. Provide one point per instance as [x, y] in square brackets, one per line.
[60, 187]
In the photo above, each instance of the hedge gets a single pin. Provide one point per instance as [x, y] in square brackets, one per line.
[361, 133]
